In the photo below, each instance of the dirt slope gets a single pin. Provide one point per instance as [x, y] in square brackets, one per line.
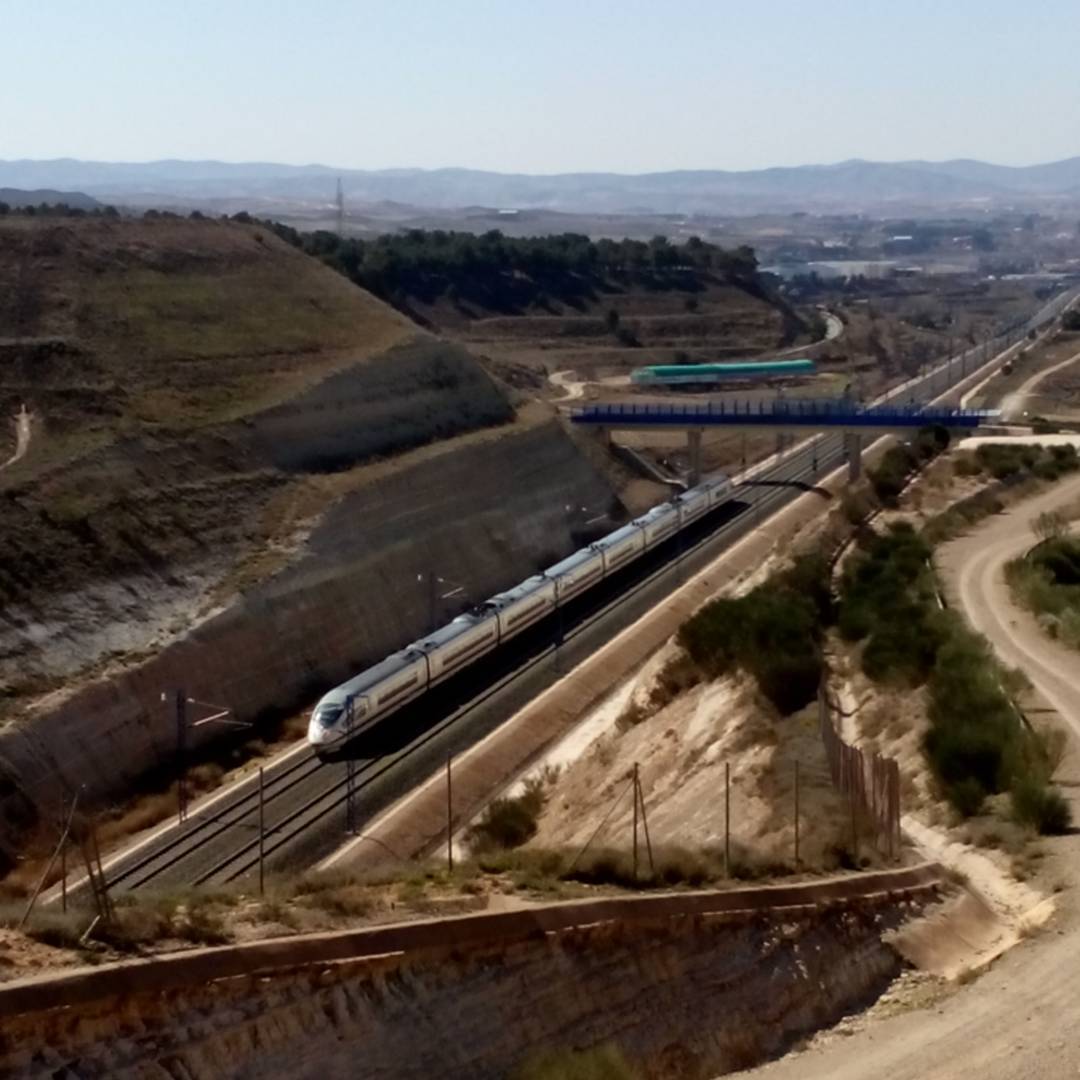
[239, 464]
[1018, 1020]
[187, 379]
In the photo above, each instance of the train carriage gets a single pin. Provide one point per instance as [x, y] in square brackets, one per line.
[523, 605]
[658, 524]
[576, 573]
[620, 547]
[462, 642]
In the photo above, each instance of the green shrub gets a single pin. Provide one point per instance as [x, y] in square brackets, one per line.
[1060, 558]
[891, 475]
[508, 823]
[1042, 807]
[967, 465]
[887, 598]
[967, 796]
[773, 632]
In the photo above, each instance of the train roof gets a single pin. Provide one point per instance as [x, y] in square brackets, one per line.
[518, 592]
[614, 537]
[740, 367]
[449, 632]
[571, 562]
[652, 515]
[358, 684]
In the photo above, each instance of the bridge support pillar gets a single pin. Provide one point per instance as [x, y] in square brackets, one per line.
[853, 452]
[693, 448]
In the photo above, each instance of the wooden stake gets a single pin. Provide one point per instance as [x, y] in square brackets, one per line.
[727, 819]
[796, 813]
[449, 819]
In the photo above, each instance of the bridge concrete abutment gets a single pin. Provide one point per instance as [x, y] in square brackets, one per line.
[853, 452]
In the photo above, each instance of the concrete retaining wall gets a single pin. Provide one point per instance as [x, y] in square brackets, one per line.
[484, 516]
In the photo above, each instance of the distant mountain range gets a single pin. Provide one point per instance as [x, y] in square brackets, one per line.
[35, 197]
[844, 186]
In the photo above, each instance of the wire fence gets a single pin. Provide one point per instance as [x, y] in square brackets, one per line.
[869, 781]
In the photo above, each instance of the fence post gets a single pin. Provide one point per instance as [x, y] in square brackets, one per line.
[262, 836]
[796, 813]
[63, 854]
[727, 819]
[854, 829]
[449, 818]
[645, 826]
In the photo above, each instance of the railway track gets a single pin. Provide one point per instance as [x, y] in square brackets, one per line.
[304, 800]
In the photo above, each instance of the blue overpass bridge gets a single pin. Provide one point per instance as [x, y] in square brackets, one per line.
[782, 415]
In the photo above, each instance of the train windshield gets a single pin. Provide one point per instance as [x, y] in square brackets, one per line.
[329, 715]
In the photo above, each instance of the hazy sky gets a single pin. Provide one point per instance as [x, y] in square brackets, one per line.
[541, 85]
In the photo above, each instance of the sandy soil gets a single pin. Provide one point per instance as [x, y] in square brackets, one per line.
[681, 750]
[1018, 1020]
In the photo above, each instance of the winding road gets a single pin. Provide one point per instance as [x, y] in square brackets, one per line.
[1021, 1018]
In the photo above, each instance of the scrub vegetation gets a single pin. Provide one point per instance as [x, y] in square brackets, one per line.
[774, 632]
[1047, 579]
[978, 743]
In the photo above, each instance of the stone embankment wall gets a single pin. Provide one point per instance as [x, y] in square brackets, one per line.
[687, 986]
[482, 516]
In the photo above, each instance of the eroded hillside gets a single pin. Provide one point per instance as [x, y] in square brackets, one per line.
[184, 379]
[240, 468]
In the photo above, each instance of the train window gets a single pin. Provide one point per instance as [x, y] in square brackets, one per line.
[330, 715]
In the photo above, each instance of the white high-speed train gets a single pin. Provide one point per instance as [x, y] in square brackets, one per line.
[402, 677]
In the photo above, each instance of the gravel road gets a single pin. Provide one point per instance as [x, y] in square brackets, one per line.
[1022, 1018]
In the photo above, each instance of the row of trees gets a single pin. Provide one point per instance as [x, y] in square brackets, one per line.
[506, 273]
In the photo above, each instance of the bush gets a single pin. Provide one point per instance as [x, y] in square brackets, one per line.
[967, 796]
[887, 597]
[1040, 806]
[773, 633]
[672, 866]
[508, 823]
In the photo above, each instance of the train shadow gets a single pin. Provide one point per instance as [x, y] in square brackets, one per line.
[802, 485]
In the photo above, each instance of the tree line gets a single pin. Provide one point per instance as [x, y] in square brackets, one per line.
[506, 273]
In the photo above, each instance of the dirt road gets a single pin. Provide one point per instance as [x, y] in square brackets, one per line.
[1012, 405]
[1020, 1019]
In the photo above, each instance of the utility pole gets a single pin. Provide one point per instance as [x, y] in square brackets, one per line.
[262, 835]
[433, 582]
[351, 815]
[180, 707]
[219, 715]
[635, 819]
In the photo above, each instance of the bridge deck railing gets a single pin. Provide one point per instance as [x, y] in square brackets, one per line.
[827, 411]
